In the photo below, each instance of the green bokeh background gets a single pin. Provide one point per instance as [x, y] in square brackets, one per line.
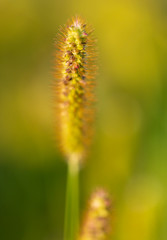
[129, 154]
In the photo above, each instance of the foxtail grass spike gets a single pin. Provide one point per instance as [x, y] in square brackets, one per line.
[96, 225]
[74, 89]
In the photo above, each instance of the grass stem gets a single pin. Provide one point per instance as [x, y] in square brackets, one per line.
[72, 201]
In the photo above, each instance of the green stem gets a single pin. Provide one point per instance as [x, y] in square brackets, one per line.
[72, 201]
[67, 209]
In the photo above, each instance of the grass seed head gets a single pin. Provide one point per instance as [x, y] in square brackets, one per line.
[74, 88]
[96, 225]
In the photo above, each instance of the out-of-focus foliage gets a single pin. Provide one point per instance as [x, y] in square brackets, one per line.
[129, 152]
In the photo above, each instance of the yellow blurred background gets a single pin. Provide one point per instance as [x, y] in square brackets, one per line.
[129, 154]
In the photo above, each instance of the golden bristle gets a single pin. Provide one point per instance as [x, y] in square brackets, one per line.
[74, 88]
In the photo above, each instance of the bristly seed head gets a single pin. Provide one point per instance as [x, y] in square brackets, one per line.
[96, 225]
[74, 89]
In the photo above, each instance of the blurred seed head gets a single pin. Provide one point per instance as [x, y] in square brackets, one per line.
[96, 225]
